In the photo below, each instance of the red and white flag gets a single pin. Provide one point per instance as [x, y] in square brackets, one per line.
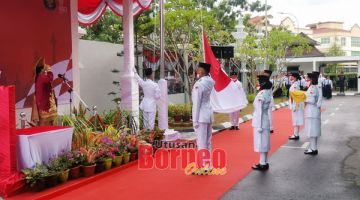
[226, 96]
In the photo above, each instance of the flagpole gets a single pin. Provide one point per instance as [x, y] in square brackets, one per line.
[202, 33]
[162, 40]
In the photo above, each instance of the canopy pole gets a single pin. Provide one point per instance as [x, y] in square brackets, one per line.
[129, 91]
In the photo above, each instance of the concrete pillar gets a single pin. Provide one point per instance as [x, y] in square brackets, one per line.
[129, 88]
[314, 66]
[358, 80]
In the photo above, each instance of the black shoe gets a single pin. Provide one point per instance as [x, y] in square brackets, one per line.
[232, 128]
[237, 128]
[311, 152]
[260, 167]
[271, 131]
[294, 137]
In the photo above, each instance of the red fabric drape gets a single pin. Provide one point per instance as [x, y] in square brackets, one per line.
[89, 11]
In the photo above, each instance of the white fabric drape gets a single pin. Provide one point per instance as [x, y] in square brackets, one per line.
[40, 147]
[137, 7]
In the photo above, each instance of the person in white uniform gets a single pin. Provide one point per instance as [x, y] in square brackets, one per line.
[202, 112]
[313, 114]
[320, 86]
[234, 116]
[261, 122]
[269, 73]
[151, 95]
[297, 109]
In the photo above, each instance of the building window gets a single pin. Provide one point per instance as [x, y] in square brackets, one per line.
[325, 40]
[343, 41]
[355, 53]
[355, 41]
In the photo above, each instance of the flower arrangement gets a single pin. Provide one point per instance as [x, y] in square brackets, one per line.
[132, 142]
[104, 154]
[89, 155]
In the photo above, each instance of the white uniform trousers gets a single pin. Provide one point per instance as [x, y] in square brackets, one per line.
[203, 136]
[149, 120]
[234, 118]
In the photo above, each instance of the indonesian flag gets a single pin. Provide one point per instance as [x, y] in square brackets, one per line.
[226, 96]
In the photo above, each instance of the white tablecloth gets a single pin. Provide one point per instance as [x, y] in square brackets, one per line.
[40, 144]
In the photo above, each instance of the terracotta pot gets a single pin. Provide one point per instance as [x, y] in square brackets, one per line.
[75, 172]
[38, 186]
[177, 118]
[100, 167]
[51, 181]
[126, 158]
[133, 156]
[88, 170]
[64, 176]
[118, 160]
[186, 118]
[108, 163]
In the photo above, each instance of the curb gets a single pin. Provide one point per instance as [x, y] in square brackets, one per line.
[243, 119]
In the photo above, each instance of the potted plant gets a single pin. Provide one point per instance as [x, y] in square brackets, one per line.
[61, 165]
[132, 146]
[51, 178]
[118, 151]
[88, 165]
[186, 112]
[177, 114]
[35, 177]
[76, 158]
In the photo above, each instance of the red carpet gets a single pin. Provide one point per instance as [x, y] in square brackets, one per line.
[131, 183]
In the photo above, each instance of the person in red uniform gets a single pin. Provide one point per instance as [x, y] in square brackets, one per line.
[44, 110]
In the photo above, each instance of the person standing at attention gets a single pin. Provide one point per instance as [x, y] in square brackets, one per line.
[261, 122]
[202, 112]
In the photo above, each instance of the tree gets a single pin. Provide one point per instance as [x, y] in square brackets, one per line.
[277, 47]
[107, 29]
[334, 50]
[184, 21]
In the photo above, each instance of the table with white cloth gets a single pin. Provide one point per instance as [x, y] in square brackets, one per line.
[40, 144]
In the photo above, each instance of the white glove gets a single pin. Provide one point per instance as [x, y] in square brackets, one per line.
[318, 105]
[260, 130]
[195, 125]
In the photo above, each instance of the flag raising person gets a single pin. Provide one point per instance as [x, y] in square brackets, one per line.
[234, 116]
[313, 114]
[262, 121]
[202, 113]
[296, 104]
[151, 95]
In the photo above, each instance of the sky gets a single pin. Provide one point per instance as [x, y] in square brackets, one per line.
[313, 11]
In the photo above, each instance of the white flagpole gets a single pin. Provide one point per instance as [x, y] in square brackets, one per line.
[162, 40]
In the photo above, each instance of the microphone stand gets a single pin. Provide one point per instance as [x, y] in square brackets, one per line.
[71, 91]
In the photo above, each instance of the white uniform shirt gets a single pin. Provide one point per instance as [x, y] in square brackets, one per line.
[312, 109]
[262, 110]
[202, 111]
[151, 94]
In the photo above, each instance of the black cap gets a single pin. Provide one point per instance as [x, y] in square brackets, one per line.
[316, 73]
[262, 78]
[269, 72]
[148, 72]
[233, 73]
[205, 66]
[295, 74]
